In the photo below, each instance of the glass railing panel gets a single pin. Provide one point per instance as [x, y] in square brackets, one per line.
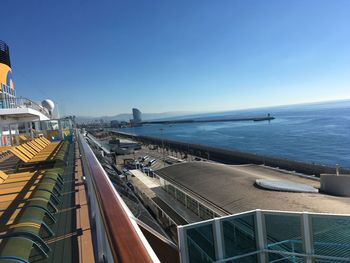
[331, 235]
[282, 258]
[283, 232]
[239, 235]
[274, 235]
[319, 260]
[200, 243]
[245, 259]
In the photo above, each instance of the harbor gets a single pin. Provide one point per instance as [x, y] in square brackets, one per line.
[175, 132]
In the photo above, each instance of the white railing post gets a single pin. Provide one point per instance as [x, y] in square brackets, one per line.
[260, 236]
[182, 245]
[218, 239]
[307, 236]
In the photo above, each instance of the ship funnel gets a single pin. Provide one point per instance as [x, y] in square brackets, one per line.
[6, 84]
[5, 67]
[4, 54]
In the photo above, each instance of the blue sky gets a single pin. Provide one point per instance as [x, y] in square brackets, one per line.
[105, 57]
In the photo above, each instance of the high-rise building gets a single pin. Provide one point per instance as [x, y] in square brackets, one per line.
[137, 115]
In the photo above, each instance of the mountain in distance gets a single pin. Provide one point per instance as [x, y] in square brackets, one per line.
[262, 111]
[128, 116]
[252, 112]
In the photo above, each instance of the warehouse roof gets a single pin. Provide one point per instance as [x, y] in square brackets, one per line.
[231, 189]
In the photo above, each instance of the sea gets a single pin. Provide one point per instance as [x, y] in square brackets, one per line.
[314, 133]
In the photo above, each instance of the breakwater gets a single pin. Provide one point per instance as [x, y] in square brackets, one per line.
[235, 157]
[265, 118]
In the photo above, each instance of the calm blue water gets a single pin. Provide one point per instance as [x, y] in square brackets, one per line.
[310, 133]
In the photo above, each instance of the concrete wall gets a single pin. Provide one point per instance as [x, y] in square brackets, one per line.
[237, 157]
[335, 184]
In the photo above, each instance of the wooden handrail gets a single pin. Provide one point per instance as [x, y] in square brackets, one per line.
[125, 243]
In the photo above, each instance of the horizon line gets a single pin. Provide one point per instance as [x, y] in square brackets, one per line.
[222, 111]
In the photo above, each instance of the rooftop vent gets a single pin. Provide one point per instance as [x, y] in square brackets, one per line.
[335, 184]
[285, 186]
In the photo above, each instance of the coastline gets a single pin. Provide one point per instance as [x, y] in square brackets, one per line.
[237, 157]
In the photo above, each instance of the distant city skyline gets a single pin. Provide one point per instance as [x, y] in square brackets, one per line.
[97, 59]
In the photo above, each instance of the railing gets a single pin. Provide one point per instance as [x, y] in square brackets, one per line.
[12, 103]
[119, 239]
[27, 103]
[267, 236]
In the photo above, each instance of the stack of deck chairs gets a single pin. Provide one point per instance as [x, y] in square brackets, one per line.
[29, 199]
[37, 150]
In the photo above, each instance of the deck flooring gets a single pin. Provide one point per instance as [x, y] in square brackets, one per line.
[72, 241]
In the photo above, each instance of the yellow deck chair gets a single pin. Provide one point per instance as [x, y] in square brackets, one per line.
[36, 146]
[39, 142]
[45, 140]
[30, 149]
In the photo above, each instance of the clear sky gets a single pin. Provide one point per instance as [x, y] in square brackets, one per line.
[105, 57]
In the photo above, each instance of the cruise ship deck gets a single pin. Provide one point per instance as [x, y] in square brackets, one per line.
[58, 203]
[44, 215]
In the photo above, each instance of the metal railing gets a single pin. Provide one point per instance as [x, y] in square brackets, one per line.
[27, 103]
[13, 103]
[267, 236]
[119, 239]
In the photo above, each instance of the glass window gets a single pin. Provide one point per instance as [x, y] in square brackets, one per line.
[192, 205]
[171, 190]
[200, 243]
[181, 197]
[239, 235]
[205, 213]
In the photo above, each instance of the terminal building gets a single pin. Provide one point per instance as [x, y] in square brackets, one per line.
[224, 213]
[212, 189]
[238, 210]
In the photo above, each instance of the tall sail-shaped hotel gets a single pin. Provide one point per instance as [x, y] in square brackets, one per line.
[60, 202]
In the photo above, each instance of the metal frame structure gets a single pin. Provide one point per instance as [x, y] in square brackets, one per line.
[307, 229]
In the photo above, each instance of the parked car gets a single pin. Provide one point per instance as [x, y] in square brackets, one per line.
[144, 158]
[151, 162]
[148, 171]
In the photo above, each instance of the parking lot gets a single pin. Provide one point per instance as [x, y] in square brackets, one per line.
[161, 159]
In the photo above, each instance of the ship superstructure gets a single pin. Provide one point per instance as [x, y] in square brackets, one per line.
[15, 111]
